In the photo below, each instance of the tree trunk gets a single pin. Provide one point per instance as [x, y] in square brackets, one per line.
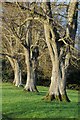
[11, 61]
[57, 88]
[17, 72]
[31, 74]
[12, 65]
[31, 80]
[72, 19]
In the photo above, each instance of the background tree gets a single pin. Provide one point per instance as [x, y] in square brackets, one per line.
[22, 34]
[9, 53]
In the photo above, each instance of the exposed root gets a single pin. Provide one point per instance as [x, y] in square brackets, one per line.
[31, 89]
[63, 98]
[21, 85]
[14, 82]
[48, 97]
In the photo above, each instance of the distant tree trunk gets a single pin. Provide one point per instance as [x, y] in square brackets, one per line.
[17, 72]
[31, 81]
[11, 61]
[31, 75]
[60, 55]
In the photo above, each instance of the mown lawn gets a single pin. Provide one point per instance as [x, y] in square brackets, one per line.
[17, 103]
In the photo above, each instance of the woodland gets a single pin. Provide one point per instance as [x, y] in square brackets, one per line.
[41, 46]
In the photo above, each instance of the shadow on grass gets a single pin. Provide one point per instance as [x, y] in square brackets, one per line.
[32, 110]
[5, 117]
[42, 93]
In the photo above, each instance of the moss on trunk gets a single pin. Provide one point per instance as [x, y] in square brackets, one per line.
[63, 98]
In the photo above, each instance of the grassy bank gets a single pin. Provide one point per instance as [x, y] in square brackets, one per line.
[17, 103]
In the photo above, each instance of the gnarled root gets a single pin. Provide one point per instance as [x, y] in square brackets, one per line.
[63, 98]
[31, 89]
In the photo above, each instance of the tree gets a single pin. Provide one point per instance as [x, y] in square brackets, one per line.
[59, 39]
[60, 47]
[7, 51]
[60, 53]
[31, 53]
[22, 34]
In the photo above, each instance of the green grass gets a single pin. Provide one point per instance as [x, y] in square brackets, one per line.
[17, 103]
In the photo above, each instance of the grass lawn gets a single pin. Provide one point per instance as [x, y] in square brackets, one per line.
[17, 103]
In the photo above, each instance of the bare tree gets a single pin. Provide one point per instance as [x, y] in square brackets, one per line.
[23, 35]
[8, 51]
[59, 39]
[60, 53]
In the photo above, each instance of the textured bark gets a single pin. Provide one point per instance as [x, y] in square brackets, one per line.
[17, 72]
[31, 73]
[72, 19]
[57, 88]
[11, 61]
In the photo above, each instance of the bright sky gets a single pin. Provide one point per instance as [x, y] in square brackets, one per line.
[61, 1]
[33, 0]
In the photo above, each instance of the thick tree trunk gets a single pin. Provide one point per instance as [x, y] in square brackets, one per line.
[54, 86]
[57, 88]
[31, 74]
[31, 80]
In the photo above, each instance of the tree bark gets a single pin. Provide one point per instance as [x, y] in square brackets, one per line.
[72, 19]
[57, 88]
[31, 74]
[17, 72]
